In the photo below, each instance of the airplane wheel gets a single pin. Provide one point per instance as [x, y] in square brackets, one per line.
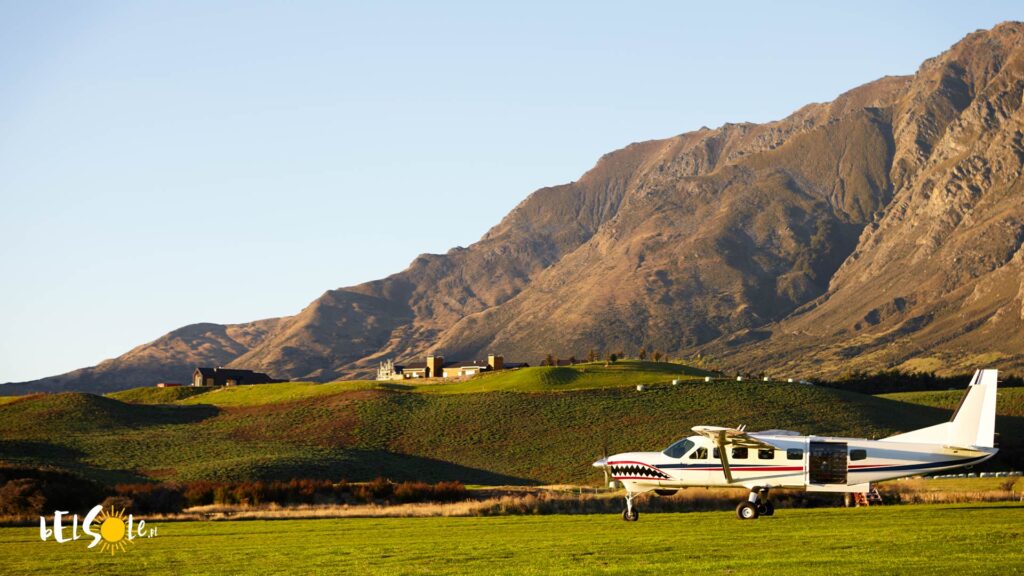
[630, 517]
[746, 511]
[766, 509]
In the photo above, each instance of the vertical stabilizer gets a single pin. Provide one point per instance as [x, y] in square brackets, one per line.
[973, 423]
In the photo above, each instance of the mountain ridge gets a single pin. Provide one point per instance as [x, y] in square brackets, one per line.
[785, 246]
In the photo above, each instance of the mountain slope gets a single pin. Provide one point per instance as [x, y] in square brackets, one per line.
[936, 281]
[168, 358]
[883, 229]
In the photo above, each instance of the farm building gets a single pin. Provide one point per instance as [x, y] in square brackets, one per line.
[168, 385]
[437, 367]
[229, 377]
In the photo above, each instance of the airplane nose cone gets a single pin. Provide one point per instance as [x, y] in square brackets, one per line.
[601, 463]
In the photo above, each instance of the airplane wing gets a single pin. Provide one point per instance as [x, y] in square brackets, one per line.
[731, 436]
[724, 437]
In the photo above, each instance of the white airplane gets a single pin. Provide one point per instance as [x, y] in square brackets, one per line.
[761, 461]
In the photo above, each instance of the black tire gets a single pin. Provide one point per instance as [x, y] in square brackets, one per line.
[766, 509]
[746, 511]
[630, 517]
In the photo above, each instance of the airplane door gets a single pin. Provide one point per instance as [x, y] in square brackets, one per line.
[827, 463]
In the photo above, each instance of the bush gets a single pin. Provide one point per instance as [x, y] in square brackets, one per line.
[119, 503]
[199, 493]
[39, 491]
[22, 497]
[170, 498]
[153, 498]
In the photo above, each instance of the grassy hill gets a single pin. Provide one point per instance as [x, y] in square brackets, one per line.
[534, 379]
[1009, 420]
[1009, 401]
[542, 425]
[153, 395]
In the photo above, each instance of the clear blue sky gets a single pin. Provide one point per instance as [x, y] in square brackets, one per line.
[177, 162]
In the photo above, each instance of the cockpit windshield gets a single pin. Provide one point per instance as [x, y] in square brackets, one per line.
[679, 448]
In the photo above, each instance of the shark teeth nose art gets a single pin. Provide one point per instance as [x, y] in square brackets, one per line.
[636, 470]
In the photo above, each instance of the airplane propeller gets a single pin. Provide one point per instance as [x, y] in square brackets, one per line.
[605, 468]
[603, 464]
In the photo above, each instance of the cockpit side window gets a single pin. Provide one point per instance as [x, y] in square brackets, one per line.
[699, 454]
[678, 449]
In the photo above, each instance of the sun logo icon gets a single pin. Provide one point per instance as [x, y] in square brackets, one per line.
[113, 531]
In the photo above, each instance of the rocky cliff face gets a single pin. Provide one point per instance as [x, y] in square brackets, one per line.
[883, 229]
[935, 281]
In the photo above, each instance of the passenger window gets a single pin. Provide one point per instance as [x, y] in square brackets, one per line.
[858, 454]
[766, 454]
[795, 454]
[739, 453]
[699, 454]
[716, 455]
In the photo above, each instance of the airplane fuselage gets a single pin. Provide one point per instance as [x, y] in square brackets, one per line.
[811, 463]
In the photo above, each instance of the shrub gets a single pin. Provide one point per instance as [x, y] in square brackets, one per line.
[39, 490]
[199, 493]
[119, 503]
[153, 498]
[22, 497]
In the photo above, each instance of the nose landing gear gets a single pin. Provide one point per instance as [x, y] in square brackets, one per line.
[630, 514]
[756, 505]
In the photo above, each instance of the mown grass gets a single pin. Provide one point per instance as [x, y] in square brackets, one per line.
[532, 379]
[578, 377]
[260, 394]
[483, 438]
[921, 539]
[154, 395]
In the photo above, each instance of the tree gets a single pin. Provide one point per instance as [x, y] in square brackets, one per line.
[572, 359]
[657, 356]
[613, 358]
[592, 355]
[643, 354]
[549, 360]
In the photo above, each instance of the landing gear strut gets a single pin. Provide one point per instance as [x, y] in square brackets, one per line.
[757, 504]
[630, 514]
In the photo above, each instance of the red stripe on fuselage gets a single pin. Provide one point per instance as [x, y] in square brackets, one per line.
[757, 469]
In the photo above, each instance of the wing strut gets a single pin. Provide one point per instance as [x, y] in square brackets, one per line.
[720, 440]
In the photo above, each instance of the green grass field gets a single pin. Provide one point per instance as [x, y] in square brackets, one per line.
[1009, 402]
[921, 539]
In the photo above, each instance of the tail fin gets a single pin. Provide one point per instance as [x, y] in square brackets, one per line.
[972, 425]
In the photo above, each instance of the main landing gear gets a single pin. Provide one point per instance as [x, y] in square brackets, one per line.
[630, 514]
[756, 505]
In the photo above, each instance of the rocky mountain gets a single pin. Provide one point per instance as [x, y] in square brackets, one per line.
[880, 230]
